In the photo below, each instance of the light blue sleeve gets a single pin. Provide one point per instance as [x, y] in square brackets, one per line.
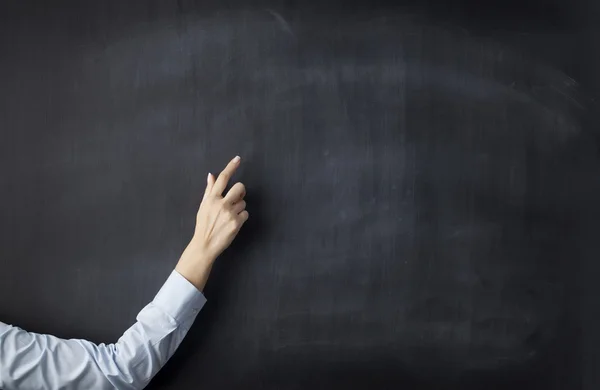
[37, 361]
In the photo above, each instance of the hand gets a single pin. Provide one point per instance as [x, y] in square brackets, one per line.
[220, 217]
[218, 221]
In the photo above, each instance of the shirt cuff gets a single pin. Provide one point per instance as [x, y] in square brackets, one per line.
[179, 298]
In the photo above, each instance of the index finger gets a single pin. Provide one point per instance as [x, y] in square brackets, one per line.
[224, 176]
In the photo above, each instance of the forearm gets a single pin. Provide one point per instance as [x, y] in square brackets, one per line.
[195, 264]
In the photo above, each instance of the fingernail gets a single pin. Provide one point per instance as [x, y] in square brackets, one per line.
[237, 159]
[208, 177]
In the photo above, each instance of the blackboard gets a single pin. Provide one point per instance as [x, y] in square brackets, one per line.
[420, 194]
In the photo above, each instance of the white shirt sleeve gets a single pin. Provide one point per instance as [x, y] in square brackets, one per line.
[37, 361]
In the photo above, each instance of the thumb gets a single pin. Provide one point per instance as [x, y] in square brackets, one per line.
[210, 182]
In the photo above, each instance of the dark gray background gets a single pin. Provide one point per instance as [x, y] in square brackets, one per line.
[422, 185]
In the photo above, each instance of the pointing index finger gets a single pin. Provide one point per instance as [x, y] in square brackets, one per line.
[224, 176]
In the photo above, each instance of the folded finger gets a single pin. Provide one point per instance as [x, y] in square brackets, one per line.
[237, 192]
[243, 217]
[238, 207]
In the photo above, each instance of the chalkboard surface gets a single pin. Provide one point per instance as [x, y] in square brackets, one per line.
[417, 194]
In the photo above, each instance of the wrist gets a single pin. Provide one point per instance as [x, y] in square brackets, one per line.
[197, 252]
[195, 264]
